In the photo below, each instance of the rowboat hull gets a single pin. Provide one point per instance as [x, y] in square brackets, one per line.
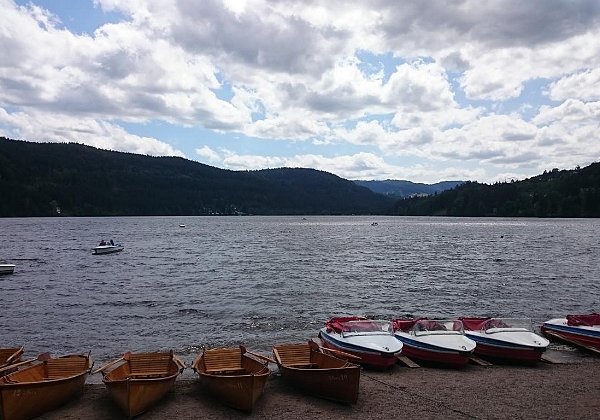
[142, 380]
[586, 337]
[318, 374]
[233, 377]
[136, 396]
[42, 387]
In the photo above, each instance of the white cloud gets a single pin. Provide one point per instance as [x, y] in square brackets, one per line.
[584, 85]
[208, 154]
[65, 128]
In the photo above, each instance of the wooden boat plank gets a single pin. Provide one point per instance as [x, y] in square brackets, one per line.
[551, 359]
[478, 361]
[407, 361]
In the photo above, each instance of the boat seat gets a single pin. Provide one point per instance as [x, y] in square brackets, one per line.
[223, 360]
[229, 371]
[301, 365]
[294, 354]
[65, 367]
[149, 363]
[146, 375]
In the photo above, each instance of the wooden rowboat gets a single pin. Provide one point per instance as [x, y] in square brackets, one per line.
[9, 356]
[139, 380]
[232, 376]
[44, 385]
[317, 373]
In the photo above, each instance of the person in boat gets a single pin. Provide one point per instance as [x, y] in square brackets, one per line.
[102, 242]
[112, 243]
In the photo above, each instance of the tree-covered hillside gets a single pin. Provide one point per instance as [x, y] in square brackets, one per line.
[47, 179]
[566, 193]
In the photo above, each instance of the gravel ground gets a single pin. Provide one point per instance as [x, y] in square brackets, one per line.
[567, 390]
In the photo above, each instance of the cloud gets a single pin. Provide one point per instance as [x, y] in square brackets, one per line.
[208, 154]
[584, 85]
[421, 82]
[44, 127]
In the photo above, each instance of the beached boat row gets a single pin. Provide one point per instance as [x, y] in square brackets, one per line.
[446, 342]
[326, 367]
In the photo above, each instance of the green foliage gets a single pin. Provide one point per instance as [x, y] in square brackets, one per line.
[566, 193]
[48, 179]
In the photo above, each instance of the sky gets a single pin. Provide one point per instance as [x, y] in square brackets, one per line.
[419, 90]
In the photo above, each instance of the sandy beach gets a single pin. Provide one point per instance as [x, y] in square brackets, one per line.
[566, 390]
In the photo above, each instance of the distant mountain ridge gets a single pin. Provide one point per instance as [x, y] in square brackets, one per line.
[401, 189]
[69, 179]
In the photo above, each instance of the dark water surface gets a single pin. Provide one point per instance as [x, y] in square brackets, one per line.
[259, 281]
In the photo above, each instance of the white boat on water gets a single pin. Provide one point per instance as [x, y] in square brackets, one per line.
[107, 248]
[7, 268]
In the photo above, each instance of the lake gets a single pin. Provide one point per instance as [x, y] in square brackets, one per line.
[259, 281]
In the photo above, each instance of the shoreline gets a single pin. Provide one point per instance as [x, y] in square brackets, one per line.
[566, 390]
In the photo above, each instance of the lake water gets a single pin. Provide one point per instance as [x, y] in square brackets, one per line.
[259, 281]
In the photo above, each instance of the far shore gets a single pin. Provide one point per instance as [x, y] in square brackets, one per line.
[569, 389]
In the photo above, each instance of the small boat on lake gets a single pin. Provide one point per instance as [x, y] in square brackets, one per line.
[107, 248]
[580, 330]
[137, 381]
[316, 373]
[9, 356]
[7, 268]
[371, 341]
[44, 385]
[441, 342]
[232, 376]
[505, 339]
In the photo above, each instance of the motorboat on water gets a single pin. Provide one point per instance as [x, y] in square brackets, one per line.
[580, 330]
[436, 341]
[107, 247]
[505, 339]
[7, 268]
[369, 342]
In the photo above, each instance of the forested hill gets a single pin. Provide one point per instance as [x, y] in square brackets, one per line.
[566, 193]
[48, 179]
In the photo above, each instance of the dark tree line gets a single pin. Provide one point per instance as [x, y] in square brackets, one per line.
[566, 193]
[48, 179]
